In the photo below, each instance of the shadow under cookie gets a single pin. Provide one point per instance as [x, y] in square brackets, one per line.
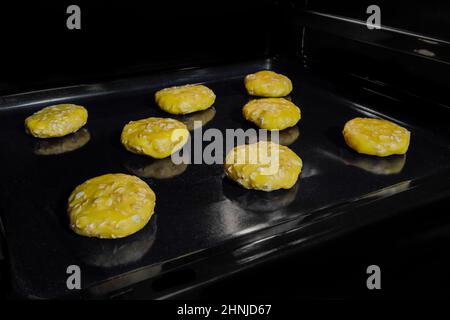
[55, 146]
[108, 253]
[145, 167]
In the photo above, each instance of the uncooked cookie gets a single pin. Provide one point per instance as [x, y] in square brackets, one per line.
[110, 206]
[376, 137]
[272, 113]
[56, 121]
[263, 166]
[267, 84]
[155, 137]
[185, 99]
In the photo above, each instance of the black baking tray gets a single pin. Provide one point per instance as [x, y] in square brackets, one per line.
[205, 227]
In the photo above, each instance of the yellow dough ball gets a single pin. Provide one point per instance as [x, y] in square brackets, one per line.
[263, 166]
[272, 113]
[110, 206]
[56, 121]
[155, 137]
[185, 99]
[268, 84]
[376, 137]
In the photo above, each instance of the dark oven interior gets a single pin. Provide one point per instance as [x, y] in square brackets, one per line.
[125, 51]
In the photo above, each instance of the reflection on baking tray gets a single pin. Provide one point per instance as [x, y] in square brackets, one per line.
[250, 98]
[108, 253]
[391, 190]
[287, 136]
[245, 211]
[376, 165]
[146, 167]
[259, 201]
[125, 281]
[54, 146]
[309, 170]
[204, 117]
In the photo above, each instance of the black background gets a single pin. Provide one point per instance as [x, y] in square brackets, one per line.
[125, 37]
[129, 37]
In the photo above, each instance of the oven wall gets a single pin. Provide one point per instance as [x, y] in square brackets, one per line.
[119, 38]
[126, 37]
[409, 54]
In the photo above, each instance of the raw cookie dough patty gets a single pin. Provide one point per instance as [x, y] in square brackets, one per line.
[376, 137]
[263, 166]
[185, 99]
[56, 121]
[272, 113]
[110, 206]
[268, 84]
[155, 137]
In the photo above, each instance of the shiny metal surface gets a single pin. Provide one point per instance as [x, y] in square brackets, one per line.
[199, 213]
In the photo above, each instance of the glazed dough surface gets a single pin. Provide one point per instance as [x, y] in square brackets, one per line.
[56, 121]
[110, 206]
[268, 84]
[155, 137]
[263, 166]
[185, 99]
[376, 137]
[272, 113]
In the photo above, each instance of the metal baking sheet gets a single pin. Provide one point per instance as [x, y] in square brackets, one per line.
[200, 215]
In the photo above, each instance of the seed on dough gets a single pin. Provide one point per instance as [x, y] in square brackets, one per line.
[136, 218]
